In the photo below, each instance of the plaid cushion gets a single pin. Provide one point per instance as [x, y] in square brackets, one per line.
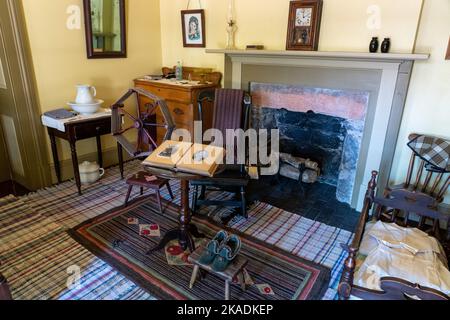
[433, 150]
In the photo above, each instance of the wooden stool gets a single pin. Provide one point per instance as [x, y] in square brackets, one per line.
[235, 269]
[144, 180]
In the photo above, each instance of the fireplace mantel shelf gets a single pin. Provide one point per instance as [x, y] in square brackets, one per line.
[325, 55]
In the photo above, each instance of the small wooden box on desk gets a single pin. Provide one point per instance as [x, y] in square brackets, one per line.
[181, 100]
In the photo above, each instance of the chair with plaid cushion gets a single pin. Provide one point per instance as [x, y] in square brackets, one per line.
[427, 181]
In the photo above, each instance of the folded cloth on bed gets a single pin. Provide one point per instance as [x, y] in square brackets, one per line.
[425, 269]
[395, 236]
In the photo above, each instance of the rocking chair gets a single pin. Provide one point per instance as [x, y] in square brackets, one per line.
[424, 193]
[231, 111]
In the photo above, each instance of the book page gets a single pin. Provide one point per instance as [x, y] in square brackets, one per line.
[168, 154]
[202, 159]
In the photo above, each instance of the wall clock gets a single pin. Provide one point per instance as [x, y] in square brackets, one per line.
[304, 25]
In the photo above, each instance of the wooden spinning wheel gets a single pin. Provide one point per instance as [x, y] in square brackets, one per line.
[143, 141]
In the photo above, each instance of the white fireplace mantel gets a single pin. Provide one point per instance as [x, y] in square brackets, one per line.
[395, 70]
[335, 55]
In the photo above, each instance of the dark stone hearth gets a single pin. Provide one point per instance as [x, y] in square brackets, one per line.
[324, 125]
[313, 201]
[308, 135]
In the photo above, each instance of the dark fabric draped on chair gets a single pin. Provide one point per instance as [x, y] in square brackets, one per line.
[228, 110]
[231, 111]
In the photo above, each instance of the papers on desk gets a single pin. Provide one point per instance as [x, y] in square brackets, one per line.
[174, 82]
[59, 124]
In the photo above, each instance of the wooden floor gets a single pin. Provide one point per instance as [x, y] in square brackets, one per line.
[11, 187]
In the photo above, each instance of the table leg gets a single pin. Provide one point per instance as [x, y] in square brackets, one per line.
[55, 156]
[99, 149]
[227, 290]
[76, 170]
[241, 278]
[186, 231]
[194, 276]
[185, 216]
[120, 154]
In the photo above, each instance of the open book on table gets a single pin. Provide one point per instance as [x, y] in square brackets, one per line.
[187, 157]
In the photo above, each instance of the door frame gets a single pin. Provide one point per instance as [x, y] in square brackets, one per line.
[35, 155]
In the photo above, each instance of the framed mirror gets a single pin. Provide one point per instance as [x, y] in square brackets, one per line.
[105, 28]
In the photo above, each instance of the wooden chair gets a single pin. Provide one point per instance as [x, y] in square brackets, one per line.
[391, 288]
[231, 111]
[427, 181]
[5, 292]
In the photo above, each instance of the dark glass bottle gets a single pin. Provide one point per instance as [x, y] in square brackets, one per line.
[374, 45]
[386, 45]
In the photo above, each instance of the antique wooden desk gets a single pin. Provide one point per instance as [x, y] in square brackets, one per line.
[181, 100]
[80, 130]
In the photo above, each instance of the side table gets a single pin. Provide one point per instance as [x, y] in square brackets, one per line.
[76, 131]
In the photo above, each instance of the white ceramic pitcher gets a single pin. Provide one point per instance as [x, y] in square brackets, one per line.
[85, 94]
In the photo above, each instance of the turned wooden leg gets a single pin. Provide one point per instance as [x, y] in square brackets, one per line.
[242, 281]
[194, 200]
[55, 157]
[346, 283]
[227, 290]
[244, 203]
[158, 197]
[5, 292]
[99, 148]
[120, 155]
[194, 276]
[169, 189]
[76, 169]
[130, 188]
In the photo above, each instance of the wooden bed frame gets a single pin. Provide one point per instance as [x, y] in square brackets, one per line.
[392, 288]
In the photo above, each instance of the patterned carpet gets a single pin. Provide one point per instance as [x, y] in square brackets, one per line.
[110, 237]
[40, 259]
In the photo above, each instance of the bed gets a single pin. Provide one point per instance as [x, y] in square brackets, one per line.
[392, 260]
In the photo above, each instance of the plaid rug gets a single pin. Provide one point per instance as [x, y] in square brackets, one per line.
[40, 259]
[113, 239]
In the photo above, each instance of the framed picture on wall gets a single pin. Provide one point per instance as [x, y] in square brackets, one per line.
[193, 22]
[304, 25]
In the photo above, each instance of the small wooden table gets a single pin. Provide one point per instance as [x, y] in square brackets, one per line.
[186, 231]
[235, 269]
[80, 130]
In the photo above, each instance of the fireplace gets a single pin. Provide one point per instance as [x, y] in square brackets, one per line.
[383, 79]
[323, 125]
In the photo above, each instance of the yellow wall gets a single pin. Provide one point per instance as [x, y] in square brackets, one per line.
[154, 39]
[428, 104]
[343, 28]
[59, 56]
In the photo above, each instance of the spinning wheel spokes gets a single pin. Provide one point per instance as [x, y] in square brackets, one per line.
[145, 123]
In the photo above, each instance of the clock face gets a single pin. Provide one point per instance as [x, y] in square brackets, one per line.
[303, 17]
